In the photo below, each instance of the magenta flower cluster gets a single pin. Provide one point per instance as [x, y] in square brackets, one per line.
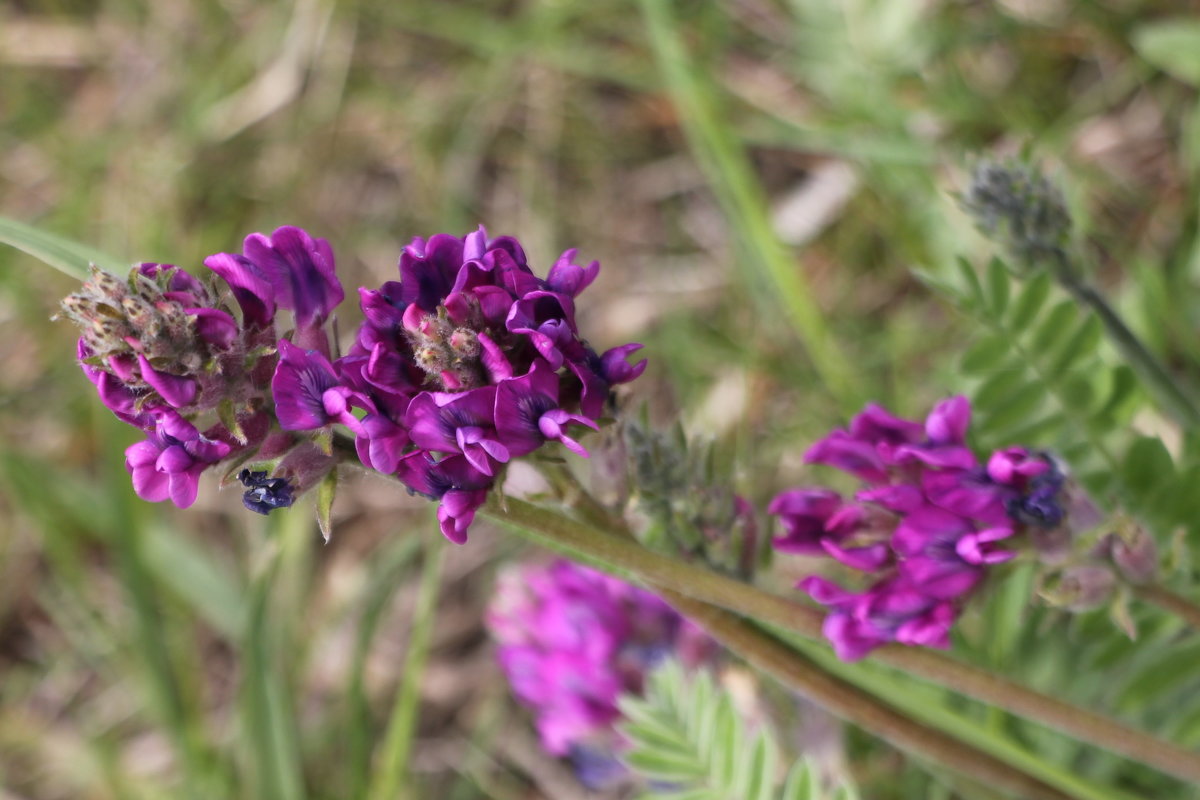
[926, 526]
[467, 362]
[571, 640]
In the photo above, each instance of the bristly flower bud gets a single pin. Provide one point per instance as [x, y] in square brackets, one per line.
[1015, 205]
[685, 493]
[1081, 588]
[1134, 552]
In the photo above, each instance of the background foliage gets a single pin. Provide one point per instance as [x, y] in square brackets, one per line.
[738, 167]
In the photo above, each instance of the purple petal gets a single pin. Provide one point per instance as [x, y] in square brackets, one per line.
[253, 292]
[176, 390]
[300, 269]
[948, 422]
[215, 327]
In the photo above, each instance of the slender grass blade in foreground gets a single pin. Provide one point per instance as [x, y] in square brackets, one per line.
[68, 257]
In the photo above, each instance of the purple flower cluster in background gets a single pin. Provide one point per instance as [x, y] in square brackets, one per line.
[467, 362]
[927, 525]
[571, 640]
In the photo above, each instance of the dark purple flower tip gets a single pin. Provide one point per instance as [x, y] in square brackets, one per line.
[1014, 466]
[178, 391]
[382, 307]
[548, 319]
[169, 462]
[215, 327]
[300, 269]
[615, 369]
[848, 454]
[875, 424]
[253, 292]
[569, 278]
[510, 272]
[308, 394]
[947, 423]
[428, 270]
[457, 512]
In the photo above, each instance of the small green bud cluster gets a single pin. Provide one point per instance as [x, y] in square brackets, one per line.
[1017, 206]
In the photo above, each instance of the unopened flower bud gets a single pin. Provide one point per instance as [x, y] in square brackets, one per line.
[1135, 553]
[1081, 588]
[1018, 207]
[464, 343]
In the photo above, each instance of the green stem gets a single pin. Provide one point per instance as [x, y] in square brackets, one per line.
[1174, 399]
[623, 554]
[1167, 600]
[800, 674]
[391, 779]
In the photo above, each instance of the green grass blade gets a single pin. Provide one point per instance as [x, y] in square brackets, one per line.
[724, 160]
[391, 775]
[66, 256]
[925, 704]
[383, 585]
[270, 720]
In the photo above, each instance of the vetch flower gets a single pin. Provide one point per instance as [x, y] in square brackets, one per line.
[308, 395]
[169, 462]
[928, 526]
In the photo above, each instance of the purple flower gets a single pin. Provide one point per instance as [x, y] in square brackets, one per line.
[528, 414]
[458, 423]
[570, 640]
[169, 462]
[300, 271]
[308, 395]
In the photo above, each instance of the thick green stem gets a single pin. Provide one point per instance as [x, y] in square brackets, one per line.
[1174, 399]
[625, 555]
[801, 675]
[1167, 600]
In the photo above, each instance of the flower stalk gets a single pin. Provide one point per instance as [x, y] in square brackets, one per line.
[625, 556]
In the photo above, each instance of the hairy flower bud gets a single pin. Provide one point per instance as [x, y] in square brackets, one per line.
[1081, 588]
[1018, 207]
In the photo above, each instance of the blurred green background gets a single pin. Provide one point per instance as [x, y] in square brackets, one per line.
[758, 178]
